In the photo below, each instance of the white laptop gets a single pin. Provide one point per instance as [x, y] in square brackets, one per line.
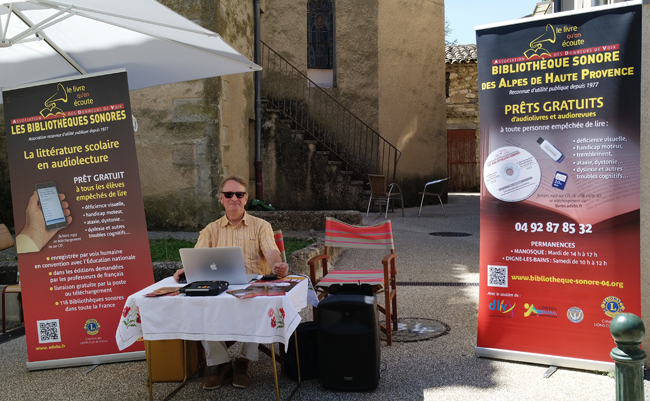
[215, 264]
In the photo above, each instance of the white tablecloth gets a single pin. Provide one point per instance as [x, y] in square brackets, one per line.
[262, 319]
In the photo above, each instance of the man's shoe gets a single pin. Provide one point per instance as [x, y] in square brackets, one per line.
[240, 378]
[223, 373]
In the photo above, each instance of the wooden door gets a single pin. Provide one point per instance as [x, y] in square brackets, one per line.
[462, 160]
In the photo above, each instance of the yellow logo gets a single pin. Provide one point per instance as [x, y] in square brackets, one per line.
[536, 46]
[612, 306]
[92, 327]
[51, 110]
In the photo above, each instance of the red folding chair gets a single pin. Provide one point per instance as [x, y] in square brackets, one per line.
[380, 237]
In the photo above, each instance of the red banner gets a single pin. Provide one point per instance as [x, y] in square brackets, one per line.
[560, 198]
[81, 233]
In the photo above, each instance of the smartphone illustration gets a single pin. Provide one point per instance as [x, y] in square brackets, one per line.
[48, 196]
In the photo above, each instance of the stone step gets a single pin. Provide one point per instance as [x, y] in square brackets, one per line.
[285, 120]
[277, 111]
[346, 172]
[310, 141]
[323, 152]
[334, 162]
[357, 183]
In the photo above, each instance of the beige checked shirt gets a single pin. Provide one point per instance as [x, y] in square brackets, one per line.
[252, 234]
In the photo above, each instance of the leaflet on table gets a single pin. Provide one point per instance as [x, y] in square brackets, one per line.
[257, 291]
[286, 283]
[164, 291]
[267, 288]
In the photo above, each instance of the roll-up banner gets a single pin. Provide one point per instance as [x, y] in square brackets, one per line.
[81, 233]
[560, 151]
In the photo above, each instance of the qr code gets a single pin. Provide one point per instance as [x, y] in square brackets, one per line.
[49, 331]
[497, 276]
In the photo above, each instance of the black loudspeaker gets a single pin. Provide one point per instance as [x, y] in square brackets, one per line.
[307, 353]
[348, 341]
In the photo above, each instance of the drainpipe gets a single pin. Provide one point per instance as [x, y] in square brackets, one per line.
[259, 190]
[557, 7]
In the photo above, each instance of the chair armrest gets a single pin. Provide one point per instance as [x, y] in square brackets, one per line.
[388, 258]
[312, 266]
[389, 264]
[433, 182]
[390, 188]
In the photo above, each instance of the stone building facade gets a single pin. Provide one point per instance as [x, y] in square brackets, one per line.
[190, 135]
[388, 59]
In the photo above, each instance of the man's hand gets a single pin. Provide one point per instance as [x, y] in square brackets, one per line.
[178, 274]
[281, 269]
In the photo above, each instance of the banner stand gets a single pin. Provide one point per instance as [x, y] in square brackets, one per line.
[560, 149]
[547, 360]
[87, 360]
[82, 239]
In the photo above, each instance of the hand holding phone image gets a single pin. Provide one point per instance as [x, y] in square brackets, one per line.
[43, 221]
[51, 206]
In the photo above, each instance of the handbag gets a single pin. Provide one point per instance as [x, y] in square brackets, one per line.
[6, 240]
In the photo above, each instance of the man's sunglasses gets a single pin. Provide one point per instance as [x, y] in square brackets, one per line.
[230, 194]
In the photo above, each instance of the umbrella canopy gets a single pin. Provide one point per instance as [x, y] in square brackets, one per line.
[41, 40]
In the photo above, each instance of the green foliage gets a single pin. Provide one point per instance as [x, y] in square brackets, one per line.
[294, 244]
[255, 204]
[166, 249]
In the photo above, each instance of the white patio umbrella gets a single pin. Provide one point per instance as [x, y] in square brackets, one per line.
[41, 39]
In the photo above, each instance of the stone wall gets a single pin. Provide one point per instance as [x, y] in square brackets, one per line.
[307, 220]
[462, 98]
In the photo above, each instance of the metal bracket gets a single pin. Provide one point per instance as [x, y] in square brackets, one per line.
[550, 371]
[91, 369]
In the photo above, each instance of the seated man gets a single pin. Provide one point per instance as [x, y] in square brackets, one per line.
[255, 237]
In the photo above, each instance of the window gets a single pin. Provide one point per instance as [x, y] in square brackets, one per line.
[320, 42]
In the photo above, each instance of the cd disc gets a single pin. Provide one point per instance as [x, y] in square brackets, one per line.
[511, 174]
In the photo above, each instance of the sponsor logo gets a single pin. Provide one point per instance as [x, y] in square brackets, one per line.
[537, 49]
[612, 306]
[504, 308]
[575, 314]
[52, 104]
[543, 311]
[92, 326]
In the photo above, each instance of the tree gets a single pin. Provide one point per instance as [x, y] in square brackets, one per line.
[448, 33]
